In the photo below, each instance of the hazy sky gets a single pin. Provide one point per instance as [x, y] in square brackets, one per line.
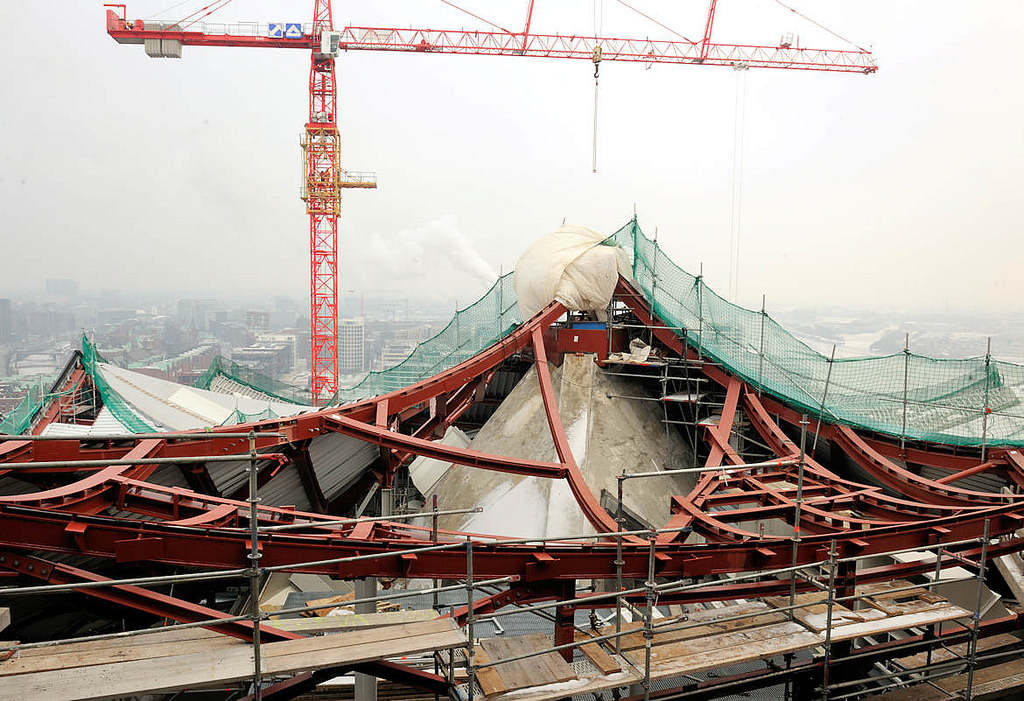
[900, 190]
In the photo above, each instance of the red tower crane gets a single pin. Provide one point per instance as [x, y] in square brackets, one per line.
[324, 176]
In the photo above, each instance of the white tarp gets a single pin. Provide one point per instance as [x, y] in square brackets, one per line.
[572, 266]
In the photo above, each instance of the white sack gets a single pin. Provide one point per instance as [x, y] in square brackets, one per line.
[569, 265]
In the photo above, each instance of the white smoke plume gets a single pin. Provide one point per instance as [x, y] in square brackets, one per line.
[432, 259]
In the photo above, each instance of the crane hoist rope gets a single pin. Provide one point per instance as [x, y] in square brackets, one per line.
[596, 58]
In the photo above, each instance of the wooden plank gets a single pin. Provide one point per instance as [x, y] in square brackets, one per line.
[488, 678]
[596, 654]
[734, 647]
[355, 621]
[633, 641]
[5, 617]
[960, 650]
[889, 624]
[815, 616]
[548, 668]
[989, 683]
[232, 663]
[138, 650]
[717, 643]
[880, 591]
[158, 636]
[689, 664]
[329, 602]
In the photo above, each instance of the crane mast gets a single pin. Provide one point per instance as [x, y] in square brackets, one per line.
[322, 150]
[323, 175]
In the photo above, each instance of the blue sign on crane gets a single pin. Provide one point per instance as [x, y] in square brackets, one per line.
[285, 30]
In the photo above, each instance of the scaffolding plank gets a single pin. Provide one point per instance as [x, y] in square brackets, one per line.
[233, 663]
[488, 678]
[132, 649]
[355, 621]
[597, 655]
[548, 668]
[815, 615]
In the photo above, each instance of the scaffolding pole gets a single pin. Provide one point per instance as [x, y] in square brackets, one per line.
[972, 647]
[254, 565]
[797, 508]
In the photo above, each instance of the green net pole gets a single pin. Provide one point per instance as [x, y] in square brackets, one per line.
[634, 232]
[700, 347]
[824, 396]
[985, 410]
[906, 379]
[654, 284]
[760, 352]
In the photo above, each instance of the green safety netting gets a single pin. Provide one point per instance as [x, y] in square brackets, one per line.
[931, 399]
[470, 331]
[111, 399]
[21, 416]
[252, 379]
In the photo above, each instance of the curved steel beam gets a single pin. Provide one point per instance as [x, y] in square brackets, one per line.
[600, 519]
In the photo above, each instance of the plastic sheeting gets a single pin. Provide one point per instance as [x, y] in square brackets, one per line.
[574, 265]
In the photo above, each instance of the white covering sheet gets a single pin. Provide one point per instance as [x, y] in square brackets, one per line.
[572, 266]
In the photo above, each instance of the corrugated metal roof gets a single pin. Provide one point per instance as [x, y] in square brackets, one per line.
[11, 486]
[223, 384]
[168, 476]
[178, 407]
[286, 489]
[338, 461]
[105, 424]
[979, 482]
[228, 476]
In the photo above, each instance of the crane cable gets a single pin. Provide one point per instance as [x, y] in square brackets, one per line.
[206, 11]
[660, 24]
[596, 58]
[736, 210]
[819, 25]
[476, 16]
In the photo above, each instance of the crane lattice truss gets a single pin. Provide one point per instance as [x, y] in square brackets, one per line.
[324, 176]
[113, 512]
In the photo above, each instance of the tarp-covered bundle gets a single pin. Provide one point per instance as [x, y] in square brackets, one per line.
[573, 265]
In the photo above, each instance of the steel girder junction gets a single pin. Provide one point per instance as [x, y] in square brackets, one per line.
[834, 493]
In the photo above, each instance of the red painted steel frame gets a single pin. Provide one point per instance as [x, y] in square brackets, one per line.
[202, 531]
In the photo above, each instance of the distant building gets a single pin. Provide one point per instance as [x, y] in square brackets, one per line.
[6, 319]
[257, 320]
[288, 339]
[271, 359]
[394, 353]
[195, 313]
[351, 346]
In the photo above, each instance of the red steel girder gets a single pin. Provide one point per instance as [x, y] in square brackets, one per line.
[439, 451]
[600, 519]
[220, 548]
